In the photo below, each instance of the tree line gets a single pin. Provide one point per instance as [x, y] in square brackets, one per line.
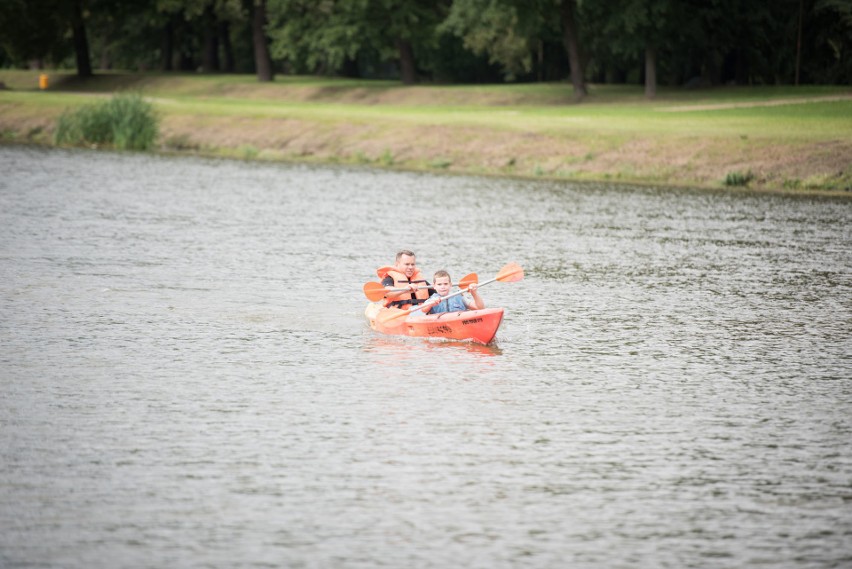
[650, 42]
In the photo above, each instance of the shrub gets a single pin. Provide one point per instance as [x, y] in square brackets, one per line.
[738, 178]
[126, 122]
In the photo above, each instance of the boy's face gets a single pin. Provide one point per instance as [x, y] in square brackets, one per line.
[442, 285]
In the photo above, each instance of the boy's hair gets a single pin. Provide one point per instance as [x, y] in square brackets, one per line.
[441, 273]
[404, 252]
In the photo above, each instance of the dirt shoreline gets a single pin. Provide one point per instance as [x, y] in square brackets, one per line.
[697, 162]
[682, 162]
[821, 167]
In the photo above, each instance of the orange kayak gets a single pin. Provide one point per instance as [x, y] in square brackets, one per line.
[477, 325]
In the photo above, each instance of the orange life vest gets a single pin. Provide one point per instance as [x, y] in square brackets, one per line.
[402, 281]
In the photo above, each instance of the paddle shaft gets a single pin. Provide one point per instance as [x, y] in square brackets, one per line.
[471, 277]
[405, 289]
[458, 292]
[509, 273]
[376, 291]
[418, 288]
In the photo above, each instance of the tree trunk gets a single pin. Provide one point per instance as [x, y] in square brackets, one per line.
[187, 61]
[106, 61]
[650, 72]
[569, 38]
[799, 41]
[227, 50]
[262, 59]
[167, 47]
[406, 62]
[81, 41]
[540, 62]
[210, 56]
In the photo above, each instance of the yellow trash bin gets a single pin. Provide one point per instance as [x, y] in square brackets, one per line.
[42, 81]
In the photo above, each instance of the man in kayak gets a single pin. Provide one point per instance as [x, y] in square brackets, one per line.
[405, 274]
[437, 304]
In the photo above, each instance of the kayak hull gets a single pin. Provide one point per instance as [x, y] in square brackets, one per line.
[476, 325]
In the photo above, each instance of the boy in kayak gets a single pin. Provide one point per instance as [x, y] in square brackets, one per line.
[436, 304]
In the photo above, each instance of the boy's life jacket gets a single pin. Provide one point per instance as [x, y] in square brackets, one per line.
[453, 304]
[402, 281]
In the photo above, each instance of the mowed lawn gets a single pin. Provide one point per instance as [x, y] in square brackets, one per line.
[528, 129]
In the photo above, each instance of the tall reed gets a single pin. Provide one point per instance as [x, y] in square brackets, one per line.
[125, 121]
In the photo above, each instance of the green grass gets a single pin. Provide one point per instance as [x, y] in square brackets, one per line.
[554, 93]
[791, 121]
[729, 121]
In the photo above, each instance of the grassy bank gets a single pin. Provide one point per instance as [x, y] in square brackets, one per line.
[793, 139]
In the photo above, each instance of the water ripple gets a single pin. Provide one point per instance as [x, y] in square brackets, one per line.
[188, 380]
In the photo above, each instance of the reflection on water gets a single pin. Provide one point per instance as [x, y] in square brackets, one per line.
[189, 380]
[400, 346]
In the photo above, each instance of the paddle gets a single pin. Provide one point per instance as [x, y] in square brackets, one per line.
[375, 291]
[508, 274]
[468, 280]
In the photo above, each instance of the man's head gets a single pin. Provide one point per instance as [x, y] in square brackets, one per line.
[405, 263]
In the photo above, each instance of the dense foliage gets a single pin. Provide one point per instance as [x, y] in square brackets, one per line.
[124, 122]
[671, 42]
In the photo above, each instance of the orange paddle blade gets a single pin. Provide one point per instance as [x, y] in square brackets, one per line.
[374, 291]
[468, 280]
[510, 273]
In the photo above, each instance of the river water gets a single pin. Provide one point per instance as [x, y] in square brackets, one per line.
[188, 379]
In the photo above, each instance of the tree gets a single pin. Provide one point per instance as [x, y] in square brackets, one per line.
[178, 22]
[81, 39]
[637, 31]
[32, 31]
[511, 31]
[830, 37]
[692, 42]
[125, 34]
[260, 41]
[36, 29]
[210, 52]
[504, 30]
[330, 35]
[568, 11]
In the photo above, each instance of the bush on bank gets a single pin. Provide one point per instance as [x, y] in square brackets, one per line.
[125, 122]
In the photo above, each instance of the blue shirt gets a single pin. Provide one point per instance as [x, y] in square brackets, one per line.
[454, 304]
